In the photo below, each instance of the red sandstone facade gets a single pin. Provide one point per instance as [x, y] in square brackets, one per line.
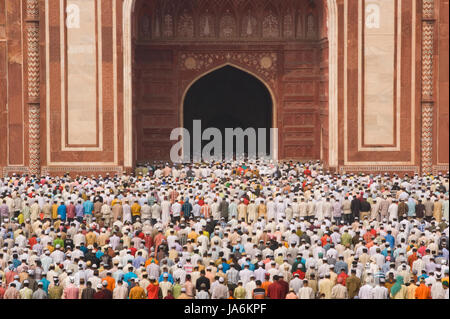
[307, 53]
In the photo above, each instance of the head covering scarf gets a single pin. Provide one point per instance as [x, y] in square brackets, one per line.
[397, 286]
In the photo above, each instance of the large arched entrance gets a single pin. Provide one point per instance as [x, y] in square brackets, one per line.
[169, 43]
[229, 97]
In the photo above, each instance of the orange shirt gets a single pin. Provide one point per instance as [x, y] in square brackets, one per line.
[111, 283]
[411, 259]
[149, 261]
[266, 285]
[423, 292]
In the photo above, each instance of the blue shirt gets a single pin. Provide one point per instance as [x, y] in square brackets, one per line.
[62, 212]
[250, 265]
[128, 276]
[239, 247]
[411, 207]
[385, 253]
[169, 278]
[137, 261]
[225, 267]
[16, 263]
[425, 276]
[386, 267]
[339, 266]
[45, 284]
[99, 254]
[390, 239]
[88, 207]
[79, 210]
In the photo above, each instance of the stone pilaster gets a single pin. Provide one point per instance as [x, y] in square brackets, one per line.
[428, 25]
[33, 67]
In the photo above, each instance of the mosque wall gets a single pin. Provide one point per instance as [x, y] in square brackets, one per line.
[68, 103]
[276, 41]
[378, 98]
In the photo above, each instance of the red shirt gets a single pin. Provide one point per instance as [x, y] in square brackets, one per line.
[300, 273]
[422, 250]
[324, 240]
[276, 291]
[152, 291]
[148, 241]
[70, 209]
[32, 241]
[344, 277]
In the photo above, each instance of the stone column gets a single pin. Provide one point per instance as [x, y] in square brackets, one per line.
[333, 123]
[33, 74]
[428, 22]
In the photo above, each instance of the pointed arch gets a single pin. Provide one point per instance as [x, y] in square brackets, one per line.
[127, 25]
[188, 87]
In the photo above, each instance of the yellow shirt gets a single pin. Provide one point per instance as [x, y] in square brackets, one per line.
[193, 236]
[411, 292]
[90, 238]
[137, 292]
[402, 294]
[54, 211]
[240, 292]
[136, 209]
[201, 267]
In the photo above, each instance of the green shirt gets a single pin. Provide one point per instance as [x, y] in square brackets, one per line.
[26, 293]
[240, 293]
[58, 241]
[176, 290]
[55, 292]
[346, 239]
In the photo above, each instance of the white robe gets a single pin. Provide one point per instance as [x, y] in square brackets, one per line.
[365, 292]
[165, 212]
[380, 292]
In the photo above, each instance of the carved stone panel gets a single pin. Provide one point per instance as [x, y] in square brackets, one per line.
[264, 64]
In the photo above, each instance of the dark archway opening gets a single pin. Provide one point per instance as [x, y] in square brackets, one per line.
[229, 98]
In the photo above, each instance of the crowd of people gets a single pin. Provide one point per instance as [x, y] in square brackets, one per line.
[225, 230]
